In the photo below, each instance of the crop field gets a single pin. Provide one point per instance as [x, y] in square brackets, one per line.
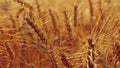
[59, 33]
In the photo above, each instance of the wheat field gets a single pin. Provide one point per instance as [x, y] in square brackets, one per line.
[59, 33]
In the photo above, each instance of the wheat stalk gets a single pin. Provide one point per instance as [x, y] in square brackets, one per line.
[67, 23]
[54, 22]
[65, 61]
[90, 54]
[75, 15]
[40, 34]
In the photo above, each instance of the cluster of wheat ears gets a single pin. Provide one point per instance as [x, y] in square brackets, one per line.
[35, 36]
